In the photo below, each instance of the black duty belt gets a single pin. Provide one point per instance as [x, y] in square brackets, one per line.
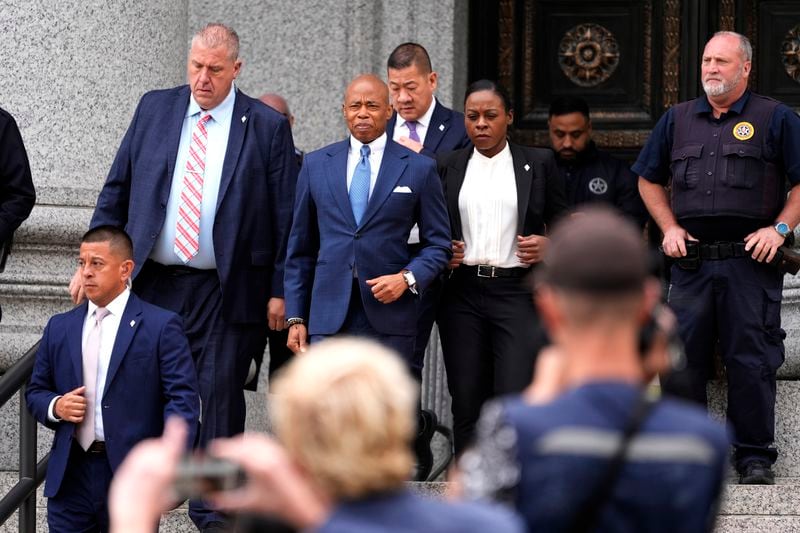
[722, 250]
[489, 271]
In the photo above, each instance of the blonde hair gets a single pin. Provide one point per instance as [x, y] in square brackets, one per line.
[215, 34]
[344, 412]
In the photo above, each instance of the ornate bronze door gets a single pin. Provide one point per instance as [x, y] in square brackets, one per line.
[630, 59]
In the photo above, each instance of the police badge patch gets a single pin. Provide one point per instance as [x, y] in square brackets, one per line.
[598, 186]
[743, 131]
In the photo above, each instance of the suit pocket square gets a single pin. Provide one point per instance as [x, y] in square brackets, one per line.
[402, 189]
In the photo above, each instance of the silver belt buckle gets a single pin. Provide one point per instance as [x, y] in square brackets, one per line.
[485, 268]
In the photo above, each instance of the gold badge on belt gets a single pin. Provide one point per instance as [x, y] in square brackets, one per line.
[743, 131]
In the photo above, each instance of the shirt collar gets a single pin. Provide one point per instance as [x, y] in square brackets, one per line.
[116, 306]
[220, 114]
[702, 106]
[425, 119]
[375, 147]
[501, 155]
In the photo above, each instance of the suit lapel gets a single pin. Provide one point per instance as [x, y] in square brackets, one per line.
[390, 125]
[523, 175]
[454, 182]
[175, 123]
[128, 324]
[238, 128]
[75, 329]
[392, 167]
[437, 127]
[336, 174]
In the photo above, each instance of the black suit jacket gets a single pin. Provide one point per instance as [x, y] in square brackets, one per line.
[446, 131]
[17, 194]
[540, 189]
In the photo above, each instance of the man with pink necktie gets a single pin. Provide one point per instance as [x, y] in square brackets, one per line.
[203, 182]
[107, 375]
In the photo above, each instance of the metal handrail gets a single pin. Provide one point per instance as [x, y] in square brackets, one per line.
[22, 496]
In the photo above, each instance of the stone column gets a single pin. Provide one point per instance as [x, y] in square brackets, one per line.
[72, 73]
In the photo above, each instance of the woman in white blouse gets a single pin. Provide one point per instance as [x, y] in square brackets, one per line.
[501, 197]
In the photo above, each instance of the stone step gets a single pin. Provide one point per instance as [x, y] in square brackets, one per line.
[744, 508]
[787, 423]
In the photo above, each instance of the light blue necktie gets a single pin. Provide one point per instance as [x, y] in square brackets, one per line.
[359, 185]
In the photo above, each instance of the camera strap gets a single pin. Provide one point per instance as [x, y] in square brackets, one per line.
[586, 517]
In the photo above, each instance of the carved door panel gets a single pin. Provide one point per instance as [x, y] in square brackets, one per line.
[630, 59]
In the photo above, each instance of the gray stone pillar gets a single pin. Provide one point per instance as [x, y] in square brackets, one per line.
[72, 73]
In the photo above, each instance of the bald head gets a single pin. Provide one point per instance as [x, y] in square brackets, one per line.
[279, 104]
[366, 107]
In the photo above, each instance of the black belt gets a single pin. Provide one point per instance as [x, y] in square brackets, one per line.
[97, 446]
[178, 270]
[722, 250]
[489, 271]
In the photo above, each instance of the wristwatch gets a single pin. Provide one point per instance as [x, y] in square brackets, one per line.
[783, 229]
[292, 321]
[411, 281]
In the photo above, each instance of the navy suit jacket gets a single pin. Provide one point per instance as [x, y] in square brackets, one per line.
[325, 244]
[446, 131]
[150, 377]
[540, 189]
[254, 208]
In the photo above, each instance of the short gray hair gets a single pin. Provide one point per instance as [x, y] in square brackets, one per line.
[745, 47]
[216, 34]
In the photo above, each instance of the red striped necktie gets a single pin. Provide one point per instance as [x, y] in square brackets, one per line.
[187, 231]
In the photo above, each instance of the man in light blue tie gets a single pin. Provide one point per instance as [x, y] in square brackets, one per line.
[348, 265]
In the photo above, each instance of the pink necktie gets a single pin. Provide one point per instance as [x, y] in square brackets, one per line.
[187, 231]
[90, 356]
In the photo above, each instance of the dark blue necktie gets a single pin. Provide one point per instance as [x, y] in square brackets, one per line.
[359, 185]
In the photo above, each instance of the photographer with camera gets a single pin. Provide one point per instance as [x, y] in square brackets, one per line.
[586, 448]
[343, 415]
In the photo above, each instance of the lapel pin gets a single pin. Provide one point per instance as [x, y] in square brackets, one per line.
[244, 119]
[527, 166]
[441, 127]
[133, 323]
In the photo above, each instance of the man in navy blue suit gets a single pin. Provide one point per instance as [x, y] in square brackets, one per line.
[203, 182]
[348, 267]
[421, 123]
[107, 375]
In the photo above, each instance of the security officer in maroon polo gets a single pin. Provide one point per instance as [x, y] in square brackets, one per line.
[729, 154]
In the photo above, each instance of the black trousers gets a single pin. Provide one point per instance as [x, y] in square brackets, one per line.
[491, 334]
[736, 302]
[221, 350]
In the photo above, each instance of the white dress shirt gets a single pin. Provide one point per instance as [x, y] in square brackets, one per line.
[218, 128]
[376, 149]
[108, 334]
[487, 203]
[423, 123]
